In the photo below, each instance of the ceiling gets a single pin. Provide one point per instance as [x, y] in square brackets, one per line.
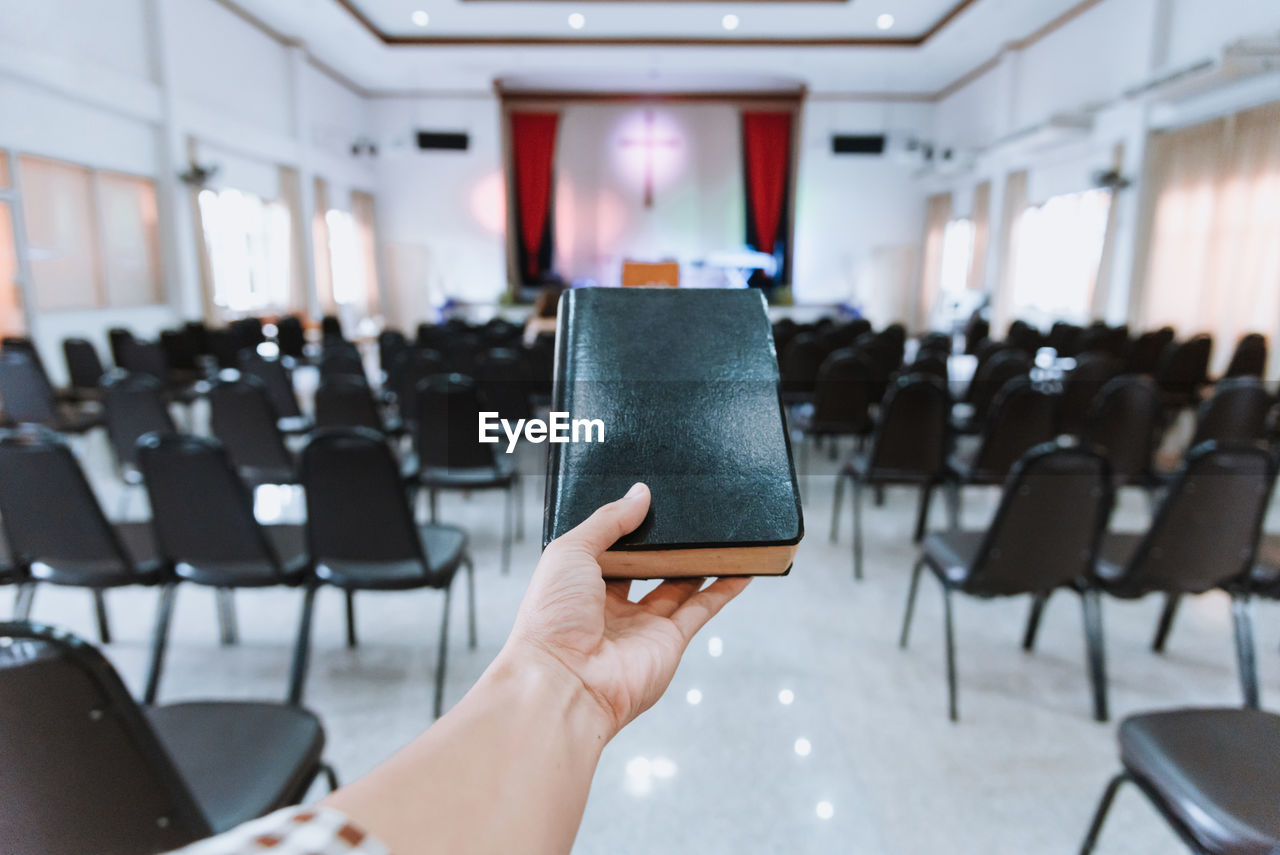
[829, 46]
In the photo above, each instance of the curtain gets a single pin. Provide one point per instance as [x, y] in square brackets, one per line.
[533, 147]
[981, 219]
[1214, 255]
[1102, 282]
[362, 208]
[1015, 203]
[291, 196]
[320, 249]
[937, 215]
[766, 156]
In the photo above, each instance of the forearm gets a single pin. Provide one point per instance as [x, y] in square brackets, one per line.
[506, 770]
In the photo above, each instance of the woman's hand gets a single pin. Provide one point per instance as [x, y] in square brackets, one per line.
[574, 623]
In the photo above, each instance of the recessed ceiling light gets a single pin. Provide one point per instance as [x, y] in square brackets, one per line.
[729, 22]
[420, 18]
[577, 20]
[885, 21]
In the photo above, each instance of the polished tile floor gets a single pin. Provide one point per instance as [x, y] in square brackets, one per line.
[794, 725]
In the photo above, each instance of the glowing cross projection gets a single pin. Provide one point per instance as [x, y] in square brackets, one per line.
[650, 142]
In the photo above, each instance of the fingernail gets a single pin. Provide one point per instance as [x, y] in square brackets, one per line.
[636, 489]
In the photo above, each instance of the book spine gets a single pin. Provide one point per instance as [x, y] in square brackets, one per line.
[559, 392]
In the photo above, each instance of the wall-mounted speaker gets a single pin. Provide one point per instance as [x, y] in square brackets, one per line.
[443, 140]
[866, 144]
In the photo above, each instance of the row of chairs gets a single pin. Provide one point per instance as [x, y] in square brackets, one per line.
[360, 533]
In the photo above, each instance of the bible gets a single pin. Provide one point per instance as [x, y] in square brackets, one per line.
[685, 384]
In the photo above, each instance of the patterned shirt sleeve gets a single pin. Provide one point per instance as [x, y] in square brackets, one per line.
[292, 831]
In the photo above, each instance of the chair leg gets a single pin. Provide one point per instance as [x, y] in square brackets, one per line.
[432, 503]
[100, 613]
[1095, 649]
[879, 493]
[352, 641]
[228, 631]
[835, 507]
[1242, 618]
[857, 529]
[471, 602]
[952, 688]
[954, 498]
[22, 601]
[911, 603]
[159, 641]
[922, 516]
[442, 655]
[301, 648]
[1100, 815]
[330, 776]
[1167, 614]
[506, 530]
[1038, 602]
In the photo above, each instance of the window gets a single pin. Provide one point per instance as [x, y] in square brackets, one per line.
[1057, 247]
[249, 250]
[93, 237]
[11, 319]
[346, 261]
[957, 255]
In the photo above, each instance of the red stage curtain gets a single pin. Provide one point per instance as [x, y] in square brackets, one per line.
[533, 146]
[766, 148]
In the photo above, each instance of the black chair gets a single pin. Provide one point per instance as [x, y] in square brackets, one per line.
[134, 406]
[119, 339]
[204, 527]
[1124, 422]
[225, 346]
[88, 770]
[1250, 357]
[341, 358]
[1237, 412]
[56, 530]
[1184, 371]
[28, 398]
[242, 418]
[1021, 418]
[992, 373]
[347, 401]
[841, 400]
[448, 455]
[1025, 338]
[391, 345]
[1148, 349]
[499, 372]
[290, 337]
[799, 367]
[1213, 774]
[1081, 385]
[331, 330]
[1064, 338]
[908, 447]
[1203, 538]
[976, 330]
[362, 536]
[1102, 339]
[84, 368]
[414, 366]
[1044, 537]
[278, 382]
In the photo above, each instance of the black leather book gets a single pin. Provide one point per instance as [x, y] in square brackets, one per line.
[685, 383]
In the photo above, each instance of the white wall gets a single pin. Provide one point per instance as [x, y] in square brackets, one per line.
[122, 84]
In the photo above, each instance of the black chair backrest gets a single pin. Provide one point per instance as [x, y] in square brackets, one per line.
[1064, 338]
[83, 771]
[225, 346]
[1021, 418]
[1206, 530]
[242, 418]
[1003, 365]
[357, 506]
[22, 344]
[179, 350]
[1100, 338]
[341, 358]
[445, 436]
[346, 401]
[1046, 532]
[910, 439]
[1250, 357]
[842, 397]
[134, 405]
[275, 379]
[51, 516]
[1147, 350]
[290, 337]
[416, 365]
[25, 393]
[84, 368]
[1081, 386]
[331, 329]
[202, 513]
[1184, 367]
[198, 335]
[500, 373]
[146, 357]
[930, 363]
[119, 339]
[1025, 338]
[976, 330]
[800, 363]
[1237, 412]
[391, 344]
[1124, 422]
